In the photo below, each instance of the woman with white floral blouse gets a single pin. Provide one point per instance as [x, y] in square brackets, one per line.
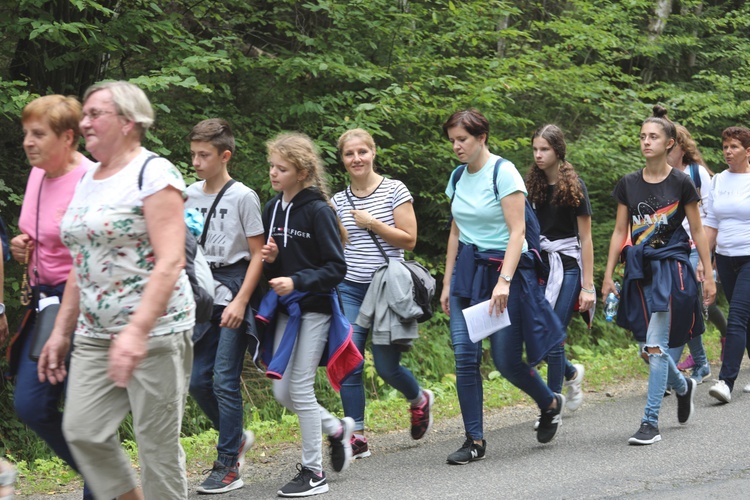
[131, 305]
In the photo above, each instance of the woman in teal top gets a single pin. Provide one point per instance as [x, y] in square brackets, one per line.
[488, 226]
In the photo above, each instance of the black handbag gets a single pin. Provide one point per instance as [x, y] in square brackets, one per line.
[43, 324]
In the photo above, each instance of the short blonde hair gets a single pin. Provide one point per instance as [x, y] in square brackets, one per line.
[130, 101]
[356, 133]
[61, 112]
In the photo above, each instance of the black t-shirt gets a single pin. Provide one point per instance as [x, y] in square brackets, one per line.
[560, 222]
[656, 210]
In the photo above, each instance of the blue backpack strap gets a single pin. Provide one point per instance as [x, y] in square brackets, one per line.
[456, 176]
[533, 228]
[695, 174]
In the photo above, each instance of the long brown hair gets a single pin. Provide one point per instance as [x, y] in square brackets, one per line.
[567, 192]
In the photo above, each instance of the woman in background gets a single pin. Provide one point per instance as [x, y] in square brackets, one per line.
[562, 205]
[373, 206]
[685, 157]
[727, 216]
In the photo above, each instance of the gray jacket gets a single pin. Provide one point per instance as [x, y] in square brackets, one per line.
[389, 306]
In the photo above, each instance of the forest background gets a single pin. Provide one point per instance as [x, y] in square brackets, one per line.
[397, 68]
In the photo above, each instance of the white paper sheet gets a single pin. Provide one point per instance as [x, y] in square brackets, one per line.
[481, 324]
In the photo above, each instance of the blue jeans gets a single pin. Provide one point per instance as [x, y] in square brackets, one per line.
[507, 349]
[558, 367]
[215, 383]
[662, 370]
[37, 405]
[735, 277]
[387, 360]
[696, 343]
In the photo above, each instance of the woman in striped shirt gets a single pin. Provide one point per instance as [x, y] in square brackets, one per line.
[373, 206]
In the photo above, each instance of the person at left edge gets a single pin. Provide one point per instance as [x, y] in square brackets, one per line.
[51, 137]
[7, 471]
[130, 303]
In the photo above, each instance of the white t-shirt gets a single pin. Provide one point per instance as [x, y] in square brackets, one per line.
[236, 218]
[362, 256]
[728, 211]
[105, 230]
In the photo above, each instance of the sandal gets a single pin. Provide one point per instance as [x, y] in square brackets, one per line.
[7, 480]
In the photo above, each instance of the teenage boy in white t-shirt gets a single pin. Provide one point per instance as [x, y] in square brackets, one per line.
[232, 245]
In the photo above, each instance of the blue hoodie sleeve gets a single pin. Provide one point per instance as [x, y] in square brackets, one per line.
[327, 239]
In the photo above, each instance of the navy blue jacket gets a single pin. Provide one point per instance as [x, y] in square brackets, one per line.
[341, 356]
[673, 288]
[476, 274]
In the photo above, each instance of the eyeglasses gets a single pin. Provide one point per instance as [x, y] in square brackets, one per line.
[94, 114]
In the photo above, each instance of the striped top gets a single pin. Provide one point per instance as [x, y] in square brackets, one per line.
[362, 255]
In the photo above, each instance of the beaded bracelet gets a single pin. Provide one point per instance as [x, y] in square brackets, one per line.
[593, 290]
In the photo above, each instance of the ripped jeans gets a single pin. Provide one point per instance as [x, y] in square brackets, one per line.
[662, 368]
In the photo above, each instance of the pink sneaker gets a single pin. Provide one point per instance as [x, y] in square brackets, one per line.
[687, 364]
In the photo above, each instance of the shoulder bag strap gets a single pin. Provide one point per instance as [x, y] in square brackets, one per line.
[36, 241]
[211, 211]
[372, 235]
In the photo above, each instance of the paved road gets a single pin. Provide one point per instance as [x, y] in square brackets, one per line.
[590, 457]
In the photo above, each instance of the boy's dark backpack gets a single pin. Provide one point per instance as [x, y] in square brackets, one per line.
[533, 229]
[4, 240]
[204, 299]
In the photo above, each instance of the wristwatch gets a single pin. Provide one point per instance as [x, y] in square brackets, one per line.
[2, 308]
[506, 277]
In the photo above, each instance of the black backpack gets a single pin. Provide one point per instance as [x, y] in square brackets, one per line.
[204, 300]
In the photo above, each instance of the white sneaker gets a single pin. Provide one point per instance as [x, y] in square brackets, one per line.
[574, 396]
[746, 388]
[247, 442]
[720, 391]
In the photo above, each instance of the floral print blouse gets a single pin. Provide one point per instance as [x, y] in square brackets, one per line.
[105, 230]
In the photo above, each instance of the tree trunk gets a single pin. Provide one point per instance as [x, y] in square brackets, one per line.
[503, 24]
[662, 10]
[50, 67]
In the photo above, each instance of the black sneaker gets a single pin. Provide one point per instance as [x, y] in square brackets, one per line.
[421, 416]
[468, 452]
[647, 434]
[550, 420]
[341, 445]
[221, 479]
[685, 405]
[306, 483]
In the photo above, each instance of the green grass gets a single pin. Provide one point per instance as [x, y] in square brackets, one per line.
[606, 367]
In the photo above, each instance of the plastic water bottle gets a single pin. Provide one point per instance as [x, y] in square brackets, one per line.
[610, 305]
